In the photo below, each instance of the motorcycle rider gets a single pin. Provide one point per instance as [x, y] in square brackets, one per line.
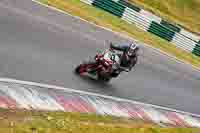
[129, 55]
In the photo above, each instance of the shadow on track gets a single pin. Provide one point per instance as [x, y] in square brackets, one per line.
[96, 83]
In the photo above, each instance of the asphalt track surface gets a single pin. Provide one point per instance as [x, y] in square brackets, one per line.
[42, 45]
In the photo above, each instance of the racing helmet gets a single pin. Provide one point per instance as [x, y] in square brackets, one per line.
[133, 48]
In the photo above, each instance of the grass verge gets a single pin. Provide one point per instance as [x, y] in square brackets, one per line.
[59, 122]
[184, 12]
[102, 18]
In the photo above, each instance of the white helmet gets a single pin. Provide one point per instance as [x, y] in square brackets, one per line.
[133, 48]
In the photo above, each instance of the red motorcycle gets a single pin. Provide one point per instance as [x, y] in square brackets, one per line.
[105, 67]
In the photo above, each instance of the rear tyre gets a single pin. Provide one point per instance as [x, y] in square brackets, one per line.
[104, 79]
[115, 74]
[107, 79]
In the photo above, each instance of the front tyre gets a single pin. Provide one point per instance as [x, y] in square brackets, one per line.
[77, 69]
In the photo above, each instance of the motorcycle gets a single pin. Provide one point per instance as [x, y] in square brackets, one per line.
[106, 65]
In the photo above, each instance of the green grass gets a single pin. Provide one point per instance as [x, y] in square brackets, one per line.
[53, 122]
[108, 20]
[184, 12]
[59, 122]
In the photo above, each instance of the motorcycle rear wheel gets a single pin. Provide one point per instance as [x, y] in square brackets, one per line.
[107, 79]
[104, 79]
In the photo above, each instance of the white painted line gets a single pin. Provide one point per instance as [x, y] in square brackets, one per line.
[7, 80]
[122, 35]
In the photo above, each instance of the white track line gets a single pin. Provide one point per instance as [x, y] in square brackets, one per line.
[122, 35]
[93, 94]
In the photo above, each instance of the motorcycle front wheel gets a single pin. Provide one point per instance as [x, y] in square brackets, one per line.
[77, 69]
